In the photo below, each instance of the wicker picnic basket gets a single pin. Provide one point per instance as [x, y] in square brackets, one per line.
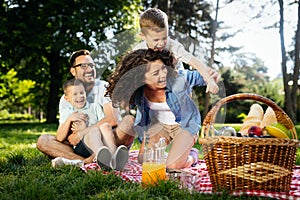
[245, 163]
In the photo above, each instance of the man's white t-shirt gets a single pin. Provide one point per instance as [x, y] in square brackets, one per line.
[96, 95]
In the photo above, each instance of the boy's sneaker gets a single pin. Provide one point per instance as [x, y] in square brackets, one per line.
[104, 158]
[60, 161]
[120, 158]
[194, 153]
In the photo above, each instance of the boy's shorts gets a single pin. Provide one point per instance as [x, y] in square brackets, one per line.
[82, 150]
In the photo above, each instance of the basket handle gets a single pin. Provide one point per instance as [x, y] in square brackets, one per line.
[281, 116]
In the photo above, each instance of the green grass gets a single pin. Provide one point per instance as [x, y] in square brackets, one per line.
[26, 173]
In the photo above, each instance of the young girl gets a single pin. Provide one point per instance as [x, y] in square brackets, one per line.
[147, 79]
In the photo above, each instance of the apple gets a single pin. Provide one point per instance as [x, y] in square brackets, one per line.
[256, 130]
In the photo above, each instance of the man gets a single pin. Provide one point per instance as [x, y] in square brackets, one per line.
[83, 68]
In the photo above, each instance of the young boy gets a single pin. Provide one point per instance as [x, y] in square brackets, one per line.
[80, 112]
[100, 141]
[154, 32]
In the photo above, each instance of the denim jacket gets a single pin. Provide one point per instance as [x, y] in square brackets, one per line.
[178, 99]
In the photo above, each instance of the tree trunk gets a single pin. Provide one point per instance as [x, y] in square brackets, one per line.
[287, 91]
[55, 84]
[297, 66]
[164, 6]
[212, 56]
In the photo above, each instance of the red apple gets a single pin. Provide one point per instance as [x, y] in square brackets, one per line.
[256, 130]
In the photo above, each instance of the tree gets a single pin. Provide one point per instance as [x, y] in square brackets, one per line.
[213, 31]
[38, 36]
[15, 94]
[296, 66]
[289, 94]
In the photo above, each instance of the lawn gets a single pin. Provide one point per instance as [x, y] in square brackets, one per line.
[27, 174]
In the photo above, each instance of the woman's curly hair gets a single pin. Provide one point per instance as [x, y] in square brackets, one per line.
[129, 76]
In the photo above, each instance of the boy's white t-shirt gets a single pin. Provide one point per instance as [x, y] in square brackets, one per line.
[93, 110]
[173, 46]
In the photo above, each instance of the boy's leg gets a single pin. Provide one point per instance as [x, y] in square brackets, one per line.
[93, 140]
[50, 146]
[101, 141]
[124, 133]
[108, 137]
[100, 152]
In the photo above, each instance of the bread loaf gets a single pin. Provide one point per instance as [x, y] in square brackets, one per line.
[253, 118]
[269, 118]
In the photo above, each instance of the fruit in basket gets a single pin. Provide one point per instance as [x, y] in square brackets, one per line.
[238, 134]
[255, 130]
[254, 118]
[278, 130]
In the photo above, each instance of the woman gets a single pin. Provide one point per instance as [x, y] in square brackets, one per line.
[147, 80]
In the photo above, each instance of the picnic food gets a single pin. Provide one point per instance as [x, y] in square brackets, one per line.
[227, 131]
[256, 130]
[253, 118]
[269, 118]
[261, 124]
[278, 130]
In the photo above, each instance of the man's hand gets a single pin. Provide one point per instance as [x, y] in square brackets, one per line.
[74, 139]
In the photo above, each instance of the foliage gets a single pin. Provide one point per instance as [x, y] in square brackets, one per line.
[38, 37]
[5, 115]
[109, 52]
[248, 76]
[15, 94]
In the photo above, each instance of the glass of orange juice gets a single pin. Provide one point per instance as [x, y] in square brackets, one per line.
[154, 163]
[153, 172]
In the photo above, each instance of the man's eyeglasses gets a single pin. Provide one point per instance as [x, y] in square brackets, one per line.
[84, 66]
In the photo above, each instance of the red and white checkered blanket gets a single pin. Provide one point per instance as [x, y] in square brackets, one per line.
[199, 178]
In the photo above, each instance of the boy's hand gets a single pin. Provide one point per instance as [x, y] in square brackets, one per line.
[78, 125]
[212, 86]
[214, 77]
[77, 116]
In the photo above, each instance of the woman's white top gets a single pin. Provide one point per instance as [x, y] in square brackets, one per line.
[162, 112]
